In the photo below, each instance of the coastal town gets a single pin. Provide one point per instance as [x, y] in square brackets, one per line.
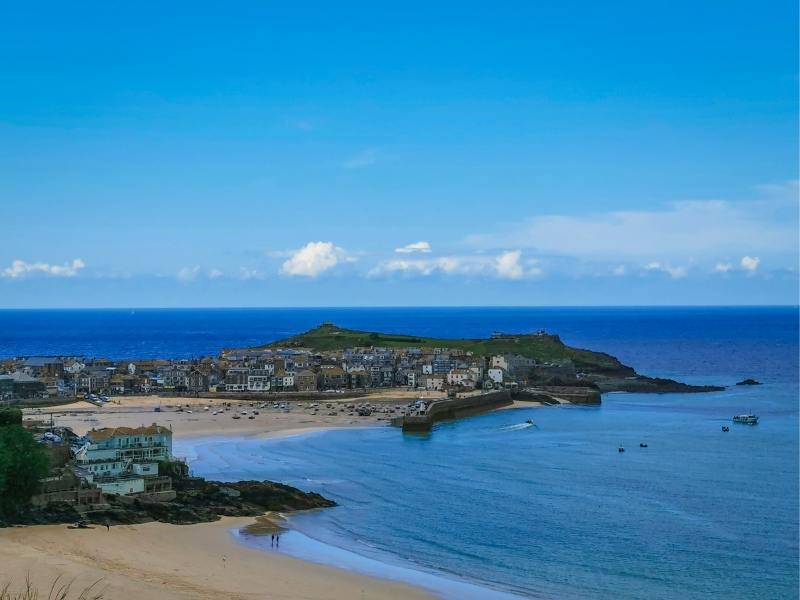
[98, 433]
[91, 414]
[279, 370]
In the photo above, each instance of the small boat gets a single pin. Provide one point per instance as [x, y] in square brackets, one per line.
[620, 449]
[642, 445]
[747, 419]
[726, 428]
[530, 422]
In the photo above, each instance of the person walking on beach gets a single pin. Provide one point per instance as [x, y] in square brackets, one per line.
[277, 541]
[108, 527]
[272, 540]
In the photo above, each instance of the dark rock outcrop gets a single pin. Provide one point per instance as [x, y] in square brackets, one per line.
[749, 382]
[196, 501]
[650, 385]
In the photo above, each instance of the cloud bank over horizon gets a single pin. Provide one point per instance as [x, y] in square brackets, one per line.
[688, 240]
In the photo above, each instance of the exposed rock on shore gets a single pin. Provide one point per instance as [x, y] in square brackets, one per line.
[196, 501]
[641, 384]
[749, 382]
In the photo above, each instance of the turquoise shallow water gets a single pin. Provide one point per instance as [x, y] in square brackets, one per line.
[554, 511]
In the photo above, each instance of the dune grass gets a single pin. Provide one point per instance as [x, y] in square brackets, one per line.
[59, 590]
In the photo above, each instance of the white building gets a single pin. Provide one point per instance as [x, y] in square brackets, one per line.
[120, 460]
[259, 380]
[458, 376]
[496, 374]
[433, 383]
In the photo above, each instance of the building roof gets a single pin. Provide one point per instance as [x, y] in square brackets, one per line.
[332, 371]
[106, 433]
[21, 377]
[41, 361]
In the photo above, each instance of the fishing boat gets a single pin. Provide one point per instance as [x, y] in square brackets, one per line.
[747, 419]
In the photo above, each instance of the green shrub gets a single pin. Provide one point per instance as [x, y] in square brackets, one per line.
[10, 416]
[23, 462]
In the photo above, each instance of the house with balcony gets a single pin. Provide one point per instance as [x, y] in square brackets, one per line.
[236, 380]
[259, 380]
[124, 460]
[283, 381]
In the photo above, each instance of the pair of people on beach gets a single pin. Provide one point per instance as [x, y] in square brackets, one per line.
[276, 540]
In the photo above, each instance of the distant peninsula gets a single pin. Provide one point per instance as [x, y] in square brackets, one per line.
[528, 359]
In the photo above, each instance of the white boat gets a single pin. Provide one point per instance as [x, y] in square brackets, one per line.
[747, 419]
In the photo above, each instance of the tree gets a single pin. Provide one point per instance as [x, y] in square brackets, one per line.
[10, 416]
[23, 462]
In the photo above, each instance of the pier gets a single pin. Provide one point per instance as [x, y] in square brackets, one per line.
[454, 408]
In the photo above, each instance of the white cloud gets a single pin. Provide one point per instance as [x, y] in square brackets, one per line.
[723, 267]
[415, 247]
[215, 274]
[619, 270]
[787, 190]
[445, 264]
[363, 159]
[750, 263]
[674, 272]
[313, 259]
[508, 266]
[680, 231]
[188, 273]
[20, 269]
[246, 274]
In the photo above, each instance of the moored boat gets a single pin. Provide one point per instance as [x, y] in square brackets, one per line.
[747, 419]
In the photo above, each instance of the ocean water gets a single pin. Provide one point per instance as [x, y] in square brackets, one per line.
[487, 506]
[554, 511]
[681, 341]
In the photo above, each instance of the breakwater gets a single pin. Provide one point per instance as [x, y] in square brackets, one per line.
[555, 394]
[454, 408]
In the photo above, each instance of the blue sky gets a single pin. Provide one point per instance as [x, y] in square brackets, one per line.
[524, 153]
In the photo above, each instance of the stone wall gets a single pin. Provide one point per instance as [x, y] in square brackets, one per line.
[456, 408]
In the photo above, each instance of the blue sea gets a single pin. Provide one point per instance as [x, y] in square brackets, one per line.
[489, 507]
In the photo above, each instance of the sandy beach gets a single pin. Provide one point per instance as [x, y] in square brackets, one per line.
[196, 417]
[162, 561]
[157, 560]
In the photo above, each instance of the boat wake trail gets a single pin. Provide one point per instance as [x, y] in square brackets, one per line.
[517, 427]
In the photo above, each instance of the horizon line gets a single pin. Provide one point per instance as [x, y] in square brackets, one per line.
[416, 306]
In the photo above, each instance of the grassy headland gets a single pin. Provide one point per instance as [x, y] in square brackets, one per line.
[555, 359]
